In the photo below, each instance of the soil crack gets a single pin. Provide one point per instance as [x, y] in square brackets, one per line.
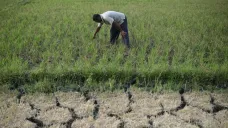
[171, 111]
[38, 123]
[121, 124]
[96, 109]
[181, 106]
[150, 122]
[130, 101]
[183, 102]
[34, 108]
[74, 116]
[129, 94]
[216, 107]
[162, 112]
[129, 108]
[203, 109]
[20, 94]
[86, 95]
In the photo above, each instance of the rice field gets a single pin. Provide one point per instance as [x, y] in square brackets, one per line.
[47, 44]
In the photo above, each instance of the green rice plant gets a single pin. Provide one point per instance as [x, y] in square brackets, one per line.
[44, 86]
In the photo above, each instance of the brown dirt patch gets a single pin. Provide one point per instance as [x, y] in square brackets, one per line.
[133, 109]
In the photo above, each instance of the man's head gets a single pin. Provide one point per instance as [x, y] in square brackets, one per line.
[97, 18]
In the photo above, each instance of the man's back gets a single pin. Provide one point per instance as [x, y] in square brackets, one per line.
[116, 16]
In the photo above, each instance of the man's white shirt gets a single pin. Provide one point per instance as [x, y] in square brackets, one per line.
[110, 16]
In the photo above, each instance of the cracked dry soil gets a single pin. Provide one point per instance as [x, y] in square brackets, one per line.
[129, 109]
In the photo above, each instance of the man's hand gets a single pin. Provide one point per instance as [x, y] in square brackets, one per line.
[123, 33]
[118, 27]
[97, 30]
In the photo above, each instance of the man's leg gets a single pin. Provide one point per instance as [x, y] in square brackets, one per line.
[125, 29]
[114, 34]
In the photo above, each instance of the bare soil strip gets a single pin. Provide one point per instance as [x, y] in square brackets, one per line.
[131, 108]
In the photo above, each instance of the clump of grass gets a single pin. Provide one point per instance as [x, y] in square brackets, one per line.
[43, 86]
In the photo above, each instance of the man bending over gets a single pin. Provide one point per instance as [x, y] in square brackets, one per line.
[118, 22]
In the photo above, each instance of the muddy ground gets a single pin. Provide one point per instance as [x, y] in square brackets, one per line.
[130, 109]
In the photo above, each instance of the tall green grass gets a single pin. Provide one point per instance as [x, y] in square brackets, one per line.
[171, 40]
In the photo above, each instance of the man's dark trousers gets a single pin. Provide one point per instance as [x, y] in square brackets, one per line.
[114, 33]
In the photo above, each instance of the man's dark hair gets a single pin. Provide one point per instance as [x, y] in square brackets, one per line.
[97, 18]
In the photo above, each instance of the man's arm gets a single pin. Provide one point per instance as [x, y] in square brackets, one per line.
[97, 30]
[116, 25]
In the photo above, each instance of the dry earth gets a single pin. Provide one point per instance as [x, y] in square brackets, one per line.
[130, 109]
